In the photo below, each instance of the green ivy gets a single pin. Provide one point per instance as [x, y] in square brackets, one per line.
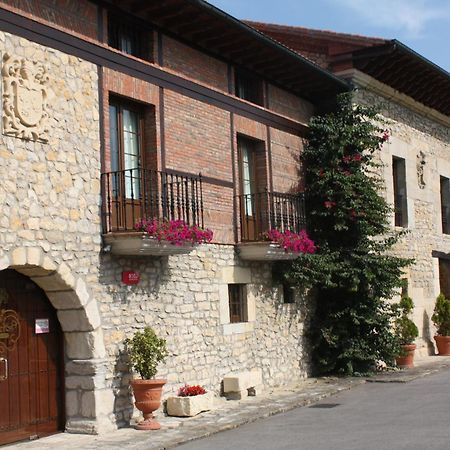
[352, 273]
[146, 351]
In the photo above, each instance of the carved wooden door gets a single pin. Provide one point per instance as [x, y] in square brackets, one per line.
[31, 371]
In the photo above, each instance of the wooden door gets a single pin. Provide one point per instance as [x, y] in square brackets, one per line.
[31, 363]
[249, 198]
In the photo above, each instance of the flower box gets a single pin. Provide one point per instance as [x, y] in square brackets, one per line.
[140, 244]
[190, 406]
[264, 251]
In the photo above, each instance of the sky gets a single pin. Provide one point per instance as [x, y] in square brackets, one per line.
[422, 25]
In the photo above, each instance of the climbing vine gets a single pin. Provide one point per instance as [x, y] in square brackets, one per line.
[352, 273]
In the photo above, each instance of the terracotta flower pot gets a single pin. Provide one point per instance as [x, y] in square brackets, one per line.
[406, 361]
[443, 345]
[147, 395]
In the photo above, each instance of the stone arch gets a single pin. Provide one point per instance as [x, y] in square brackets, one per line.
[88, 401]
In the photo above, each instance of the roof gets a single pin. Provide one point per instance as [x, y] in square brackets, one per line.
[201, 24]
[388, 61]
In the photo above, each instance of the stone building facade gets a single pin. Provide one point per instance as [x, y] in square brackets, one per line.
[69, 89]
[387, 74]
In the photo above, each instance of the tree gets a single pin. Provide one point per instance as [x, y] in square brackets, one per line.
[352, 273]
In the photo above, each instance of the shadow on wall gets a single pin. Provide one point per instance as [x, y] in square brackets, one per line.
[126, 309]
[426, 333]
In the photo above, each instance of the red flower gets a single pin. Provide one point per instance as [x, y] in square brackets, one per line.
[329, 204]
[357, 157]
[191, 391]
[386, 136]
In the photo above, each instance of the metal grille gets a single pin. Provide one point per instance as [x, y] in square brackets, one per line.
[134, 194]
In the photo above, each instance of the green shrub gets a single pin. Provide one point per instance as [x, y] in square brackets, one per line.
[146, 351]
[405, 329]
[441, 316]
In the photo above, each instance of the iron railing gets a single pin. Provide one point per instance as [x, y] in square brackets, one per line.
[133, 194]
[261, 212]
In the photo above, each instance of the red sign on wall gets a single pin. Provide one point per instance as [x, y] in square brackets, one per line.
[131, 277]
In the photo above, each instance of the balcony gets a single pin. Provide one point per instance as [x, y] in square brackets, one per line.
[132, 195]
[261, 212]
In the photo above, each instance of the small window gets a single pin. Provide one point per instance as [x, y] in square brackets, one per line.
[288, 293]
[237, 294]
[445, 205]
[129, 38]
[248, 87]
[400, 198]
[444, 276]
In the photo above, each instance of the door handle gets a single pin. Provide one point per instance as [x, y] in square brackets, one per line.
[5, 374]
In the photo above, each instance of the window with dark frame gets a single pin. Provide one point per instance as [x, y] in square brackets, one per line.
[248, 87]
[400, 196]
[444, 276]
[129, 37]
[126, 135]
[237, 295]
[445, 204]
[288, 293]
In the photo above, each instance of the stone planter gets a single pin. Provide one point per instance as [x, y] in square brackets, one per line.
[443, 345]
[264, 251]
[140, 244]
[190, 406]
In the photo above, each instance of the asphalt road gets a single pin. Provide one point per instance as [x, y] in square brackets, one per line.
[373, 416]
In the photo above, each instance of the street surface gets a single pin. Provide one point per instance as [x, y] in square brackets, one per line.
[373, 416]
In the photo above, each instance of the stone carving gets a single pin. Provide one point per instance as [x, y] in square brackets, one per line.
[9, 330]
[24, 99]
[421, 169]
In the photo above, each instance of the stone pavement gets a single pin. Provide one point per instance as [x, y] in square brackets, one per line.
[228, 415]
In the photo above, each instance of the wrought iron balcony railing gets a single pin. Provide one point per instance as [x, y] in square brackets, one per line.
[133, 194]
[261, 212]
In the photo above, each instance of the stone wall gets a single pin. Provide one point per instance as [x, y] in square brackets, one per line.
[183, 299]
[412, 133]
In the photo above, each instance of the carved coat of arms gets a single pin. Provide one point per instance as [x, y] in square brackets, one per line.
[24, 99]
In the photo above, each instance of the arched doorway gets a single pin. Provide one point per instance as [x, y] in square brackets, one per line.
[31, 361]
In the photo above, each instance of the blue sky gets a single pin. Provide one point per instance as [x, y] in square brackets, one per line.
[423, 25]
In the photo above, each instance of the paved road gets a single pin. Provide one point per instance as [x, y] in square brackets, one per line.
[373, 416]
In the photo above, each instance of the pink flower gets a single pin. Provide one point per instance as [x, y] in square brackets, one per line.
[290, 241]
[329, 204]
[386, 135]
[177, 232]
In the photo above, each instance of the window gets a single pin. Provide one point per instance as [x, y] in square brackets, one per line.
[444, 276]
[125, 128]
[129, 38]
[237, 295]
[248, 87]
[288, 293]
[400, 199]
[445, 205]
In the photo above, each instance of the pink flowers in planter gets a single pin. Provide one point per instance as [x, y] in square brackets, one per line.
[191, 391]
[292, 242]
[177, 232]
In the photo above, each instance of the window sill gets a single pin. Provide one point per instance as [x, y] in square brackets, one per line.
[238, 328]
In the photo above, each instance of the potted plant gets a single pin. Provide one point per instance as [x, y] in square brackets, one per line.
[146, 351]
[441, 319]
[190, 401]
[406, 332]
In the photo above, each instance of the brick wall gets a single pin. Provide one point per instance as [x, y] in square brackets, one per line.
[195, 64]
[75, 16]
[290, 105]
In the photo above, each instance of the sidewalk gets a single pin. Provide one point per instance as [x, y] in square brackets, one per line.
[230, 414]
